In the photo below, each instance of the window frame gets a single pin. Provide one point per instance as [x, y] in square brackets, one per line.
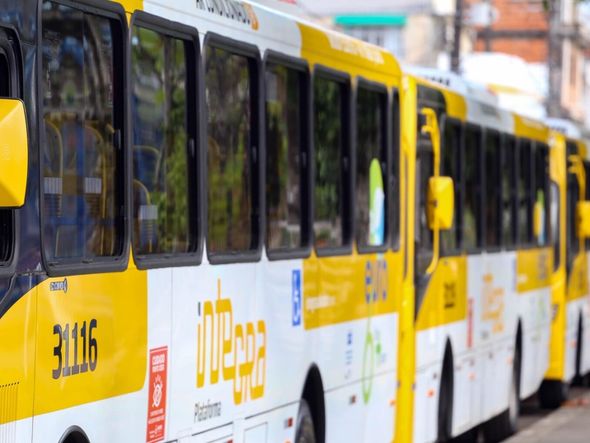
[479, 209]
[529, 180]
[190, 36]
[395, 184]
[344, 79]
[256, 165]
[386, 133]
[457, 228]
[492, 132]
[116, 14]
[11, 47]
[509, 141]
[272, 57]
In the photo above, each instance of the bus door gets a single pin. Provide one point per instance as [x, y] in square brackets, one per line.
[17, 311]
[436, 281]
[576, 267]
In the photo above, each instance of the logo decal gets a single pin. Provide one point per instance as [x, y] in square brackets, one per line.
[231, 351]
[59, 285]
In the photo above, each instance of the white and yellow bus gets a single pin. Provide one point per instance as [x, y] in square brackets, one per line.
[238, 227]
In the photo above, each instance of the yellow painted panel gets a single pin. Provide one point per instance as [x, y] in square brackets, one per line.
[341, 289]
[578, 279]
[445, 300]
[343, 53]
[533, 269]
[112, 309]
[533, 129]
[17, 366]
[131, 5]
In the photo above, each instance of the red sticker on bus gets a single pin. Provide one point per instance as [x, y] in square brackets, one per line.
[156, 417]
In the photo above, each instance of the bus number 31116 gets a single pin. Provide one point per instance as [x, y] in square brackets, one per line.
[80, 337]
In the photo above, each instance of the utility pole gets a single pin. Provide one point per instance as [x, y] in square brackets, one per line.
[554, 62]
[457, 26]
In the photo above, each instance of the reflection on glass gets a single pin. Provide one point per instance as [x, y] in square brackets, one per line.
[327, 226]
[228, 94]
[523, 190]
[160, 174]
[492, 190]
[471, 224]
[79, 156]
[370, 168]
[507, 172]
[450, 160]
[283, 147]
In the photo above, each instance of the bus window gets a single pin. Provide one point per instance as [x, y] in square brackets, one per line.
[83, 180]
[572, 199]
[492, 188]
[450, 240]
[331, 159]
[230, 80]
[396, 172]
[286, 141]
[472, 235]
[424, 235]
[371, 192]
[524, 193]
[508, 172]
[541, 191]
[164, 216]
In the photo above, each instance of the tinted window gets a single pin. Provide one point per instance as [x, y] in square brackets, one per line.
[508, 172]
[231, 112]
[423, 233]
[371, 168]
[573, 196]
[82, 164]
[472, 195]
[396, 172]
[6, 215]
[492, 189]
[163, 172]
[285, 118]
[329, 191]
[524, 192]
[450, 167]
[541, 192]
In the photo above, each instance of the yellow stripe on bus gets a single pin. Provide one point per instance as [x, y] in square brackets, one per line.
[533, 269]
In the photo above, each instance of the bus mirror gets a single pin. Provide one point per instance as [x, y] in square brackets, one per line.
[441, 203]
[14, 151]
[583, 210]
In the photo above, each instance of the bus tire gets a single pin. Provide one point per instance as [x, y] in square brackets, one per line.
[579, 380]
[553, 393]
[506, 424]
[304, 432]
[445, 398]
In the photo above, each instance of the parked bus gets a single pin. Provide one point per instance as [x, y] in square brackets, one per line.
[482, 286]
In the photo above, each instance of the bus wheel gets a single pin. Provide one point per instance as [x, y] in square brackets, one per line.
[445, 399]
[553, 393]
[304, 432]
[506, 424]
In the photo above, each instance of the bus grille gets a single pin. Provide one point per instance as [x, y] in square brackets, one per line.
[8, 402]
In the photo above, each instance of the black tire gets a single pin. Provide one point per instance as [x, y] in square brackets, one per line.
[506, 424]
[445, 400]
[579, 379]
[553, 393]
[304, 432]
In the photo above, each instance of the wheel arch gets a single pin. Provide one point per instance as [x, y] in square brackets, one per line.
[313, 393]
